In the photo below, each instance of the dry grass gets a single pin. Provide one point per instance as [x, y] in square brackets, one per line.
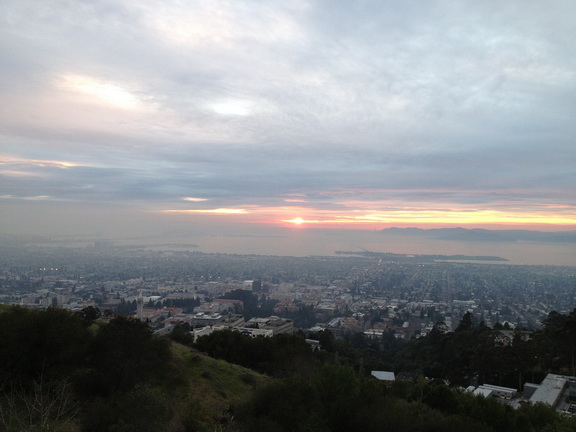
[204, 391]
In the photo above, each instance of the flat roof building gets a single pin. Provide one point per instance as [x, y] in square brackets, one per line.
[550, 390]
[274, 323]
[495, 391]
[252, 332]
[557, 391]
[384, 376]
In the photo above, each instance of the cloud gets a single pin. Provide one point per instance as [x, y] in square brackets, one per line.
[106, 92]
[218, 211]
[277, 105]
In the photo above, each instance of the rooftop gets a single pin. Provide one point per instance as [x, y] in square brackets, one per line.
[550, 390]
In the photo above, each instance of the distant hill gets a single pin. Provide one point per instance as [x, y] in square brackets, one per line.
[484, 235]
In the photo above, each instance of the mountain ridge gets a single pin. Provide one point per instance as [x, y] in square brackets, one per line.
[480, 234]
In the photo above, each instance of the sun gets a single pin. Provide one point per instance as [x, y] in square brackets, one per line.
[297, 221]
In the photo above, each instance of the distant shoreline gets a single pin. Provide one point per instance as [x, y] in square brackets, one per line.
[423, 257]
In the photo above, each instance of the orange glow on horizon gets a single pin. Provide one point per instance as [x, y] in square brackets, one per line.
[300, 221]
[415, 217]
[6, 160]
[549, 217]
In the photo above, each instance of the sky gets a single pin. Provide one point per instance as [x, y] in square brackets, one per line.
[146, 114]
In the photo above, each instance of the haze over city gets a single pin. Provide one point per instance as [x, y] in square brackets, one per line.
[241, 120]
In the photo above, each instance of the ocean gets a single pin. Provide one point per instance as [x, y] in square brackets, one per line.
[305, 242]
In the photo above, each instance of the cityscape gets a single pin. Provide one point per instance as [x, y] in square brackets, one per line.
[369, 293]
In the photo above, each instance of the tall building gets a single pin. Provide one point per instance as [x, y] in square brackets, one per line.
[257, 286]
[140, 306]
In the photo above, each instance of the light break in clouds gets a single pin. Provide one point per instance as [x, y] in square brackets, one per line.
[319, 113]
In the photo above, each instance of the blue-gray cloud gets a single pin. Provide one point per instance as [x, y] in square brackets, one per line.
[250, 102]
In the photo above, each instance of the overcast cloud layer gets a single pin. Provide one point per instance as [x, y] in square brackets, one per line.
[386, 112]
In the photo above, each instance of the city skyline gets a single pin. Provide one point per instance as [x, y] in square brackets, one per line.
[121, 117]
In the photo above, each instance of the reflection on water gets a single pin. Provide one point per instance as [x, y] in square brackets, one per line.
[303, 242]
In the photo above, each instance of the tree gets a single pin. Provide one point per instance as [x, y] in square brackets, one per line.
[289, 405]
[123, 354]
[327, 340]
[181, 334]
[560, 336]
[42, 406]
[142, 409]
[35, 343]
[466, 322]
[280, 355]
[90, 314]
[248, 299]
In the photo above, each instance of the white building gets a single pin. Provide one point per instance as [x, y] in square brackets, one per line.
[384, 376]
[558, 391]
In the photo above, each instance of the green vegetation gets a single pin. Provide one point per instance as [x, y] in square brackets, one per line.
[59, 372]
[477, 352]
[280, 356]
[337, 399]
[66, 372]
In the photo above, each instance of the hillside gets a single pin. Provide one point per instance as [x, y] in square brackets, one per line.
[204, 391]
[61, 373]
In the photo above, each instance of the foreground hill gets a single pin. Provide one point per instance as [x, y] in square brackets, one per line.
[64, 372]
[205, 391]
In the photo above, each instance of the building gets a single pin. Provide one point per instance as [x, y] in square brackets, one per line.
[489, 390]
[385, 376]
[274, 323]
[252, 332]
[256, 286]
[557, 391]
[229, 305]
[140, 307]
[210, 319]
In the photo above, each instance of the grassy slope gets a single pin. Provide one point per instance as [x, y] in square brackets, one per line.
[203, 390]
